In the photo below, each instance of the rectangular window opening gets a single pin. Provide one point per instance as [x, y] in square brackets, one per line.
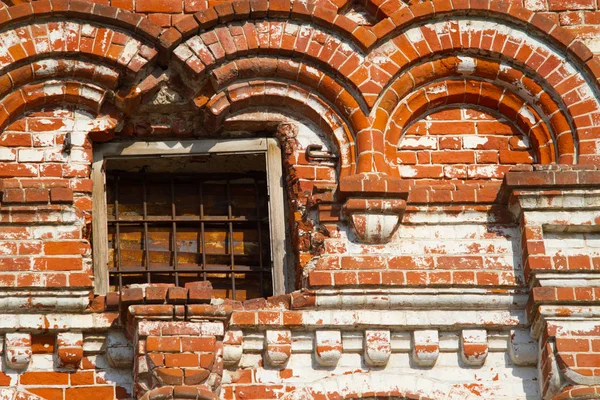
[180, 218]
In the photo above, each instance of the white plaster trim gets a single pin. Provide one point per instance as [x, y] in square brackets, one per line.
[425, 299]
[52, 300]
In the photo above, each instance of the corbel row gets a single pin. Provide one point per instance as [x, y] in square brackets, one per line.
[377, 345]
[18, 350]
[70, 349]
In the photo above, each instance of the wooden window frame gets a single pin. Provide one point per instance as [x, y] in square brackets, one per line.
[140, 149]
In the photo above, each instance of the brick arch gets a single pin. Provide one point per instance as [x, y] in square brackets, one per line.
[105, 46]
[375, 64]
[559, 87]
[472, 92]
[380, 385]
[576, 392]
[261, 95]
[199, 392]
[40, 70]
[466, 64]
[535, 97]
[318, 48]
[481, 93]
[492, 9]
[69, 9]
[39, 67]
[534, 58]
[315, 11]
[404, 18]
[297, 72]
[84, 95]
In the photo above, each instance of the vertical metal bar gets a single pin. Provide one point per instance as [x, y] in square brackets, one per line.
[118, 232]
[146, 243]
[174, 231]
[202, 236]
[259, 229]
[230, 216]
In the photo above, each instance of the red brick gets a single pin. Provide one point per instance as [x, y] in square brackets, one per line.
[37, 195]
[181, 360]
[44, 378]
[81, 378]
[65, 248]
[363, 262]
[61, 195]
[206, 344]
[165, 344]
[92, 392]
[159, 6]
[572, 345]
[452, 157]
[48, 394]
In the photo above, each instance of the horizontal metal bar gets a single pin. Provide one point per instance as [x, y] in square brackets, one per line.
[186, 219]
[190, 177]
[143, 270]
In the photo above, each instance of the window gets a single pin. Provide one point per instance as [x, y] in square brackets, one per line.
[176, 212]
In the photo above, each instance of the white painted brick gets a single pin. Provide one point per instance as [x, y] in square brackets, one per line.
[31, 155]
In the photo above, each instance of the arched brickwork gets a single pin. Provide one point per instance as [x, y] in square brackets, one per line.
[403, 44]
[579, 393]
[363, 97]
[114, 48]
[295, 100]
[371, 85]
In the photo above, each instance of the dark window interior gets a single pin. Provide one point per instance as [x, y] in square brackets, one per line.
[178, 222]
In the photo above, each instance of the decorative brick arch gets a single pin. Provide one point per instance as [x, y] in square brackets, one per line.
[579, 393]
[115, 48]
[258, 96]
[485, 95]
[369, 61]
[180, 392]
[538, 113]
[563, 112]
[112, 16]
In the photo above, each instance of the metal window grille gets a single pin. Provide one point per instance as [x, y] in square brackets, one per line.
[178, 228]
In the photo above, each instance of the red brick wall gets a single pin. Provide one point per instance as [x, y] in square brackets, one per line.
[415, 247]
[43, 184]
[461, 144]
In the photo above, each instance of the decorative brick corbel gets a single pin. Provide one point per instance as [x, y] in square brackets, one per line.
[328, 347]
[374, 206]
[374, 220]
[119, 351]
[426, 347]
[378, 347]
[17, 350]
[474, 346]
[103, 129]
[548, 199]
[523, 349]
[233, 347]
[69, 349]
[177, 341]
[278, 347]
[568, 341]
